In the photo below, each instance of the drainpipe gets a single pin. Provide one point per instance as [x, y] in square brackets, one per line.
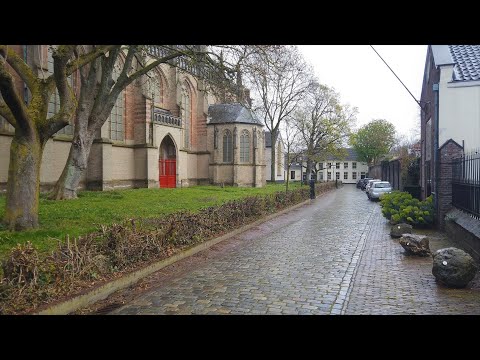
[435, 152]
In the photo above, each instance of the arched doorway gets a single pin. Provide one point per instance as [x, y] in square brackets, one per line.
[167, 163]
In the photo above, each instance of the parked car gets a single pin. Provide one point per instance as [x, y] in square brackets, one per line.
[378, 188]
[364, 183]
[369, 184]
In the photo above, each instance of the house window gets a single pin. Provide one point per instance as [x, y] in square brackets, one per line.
[279, 159]
[227, 147]
[292, 175]
[304, 176]
[337, 176]
[345, 165]
[321, 176]
[321, 166]
[329, 175]
[354, 165]
[362, 175]
[337, 166]
[54, 101]
[245, 146]
[345, 175]
[329, 165]
[186, 110]
[354, 175]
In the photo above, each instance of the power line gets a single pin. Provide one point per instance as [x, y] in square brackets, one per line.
[418, 102]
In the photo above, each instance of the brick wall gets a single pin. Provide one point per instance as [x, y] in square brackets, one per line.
[447, 152]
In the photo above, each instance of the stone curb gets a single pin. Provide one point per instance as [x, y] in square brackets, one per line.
[103, 291]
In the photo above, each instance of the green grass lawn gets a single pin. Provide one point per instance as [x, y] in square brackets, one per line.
[92, 208]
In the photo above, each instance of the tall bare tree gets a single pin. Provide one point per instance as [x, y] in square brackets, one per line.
[279, 79]
[32, 127]
[218, 66]
[324, 124]
[290, 140]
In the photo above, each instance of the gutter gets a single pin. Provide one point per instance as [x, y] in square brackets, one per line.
[436, 92]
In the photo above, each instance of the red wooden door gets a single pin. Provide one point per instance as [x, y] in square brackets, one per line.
[168, 173]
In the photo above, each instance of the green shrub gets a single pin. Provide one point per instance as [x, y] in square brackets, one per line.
[401, 207]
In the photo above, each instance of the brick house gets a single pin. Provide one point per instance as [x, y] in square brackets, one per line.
[156, 135]
[450, 117]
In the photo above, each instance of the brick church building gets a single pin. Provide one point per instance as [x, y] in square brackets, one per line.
[165, 130]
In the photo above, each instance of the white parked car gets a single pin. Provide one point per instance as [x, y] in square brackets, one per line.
[378, 188]
[369, 184]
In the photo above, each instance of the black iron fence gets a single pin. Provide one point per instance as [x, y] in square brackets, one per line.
[466, 183]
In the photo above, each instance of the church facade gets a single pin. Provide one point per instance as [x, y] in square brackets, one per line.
[165, 130]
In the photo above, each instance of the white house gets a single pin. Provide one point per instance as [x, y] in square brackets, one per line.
[450, 102]
[347, 169]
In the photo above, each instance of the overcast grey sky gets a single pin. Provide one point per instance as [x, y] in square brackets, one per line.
[364, 81]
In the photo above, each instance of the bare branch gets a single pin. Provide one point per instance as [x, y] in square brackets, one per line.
[12, 99]
[6, 113]
[88, 58]
[20, 67]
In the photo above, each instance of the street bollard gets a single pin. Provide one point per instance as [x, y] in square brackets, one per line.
[312, 189]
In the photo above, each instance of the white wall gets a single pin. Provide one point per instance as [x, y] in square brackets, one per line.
[123, 161]
[279, 176]
[459, 111]
[360, 167]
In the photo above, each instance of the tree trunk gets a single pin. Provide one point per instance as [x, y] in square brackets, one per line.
[67, 184]
[288, 177]
[273, 160]
[23, 185]
[308, 172]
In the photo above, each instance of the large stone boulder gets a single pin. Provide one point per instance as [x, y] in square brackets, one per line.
[398, 230]
[416, 244]
[453, 267]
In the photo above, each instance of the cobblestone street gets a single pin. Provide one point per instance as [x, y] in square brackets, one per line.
[334, 256]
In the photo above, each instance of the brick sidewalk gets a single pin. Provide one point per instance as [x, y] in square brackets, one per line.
[389, 282]
[334, 256]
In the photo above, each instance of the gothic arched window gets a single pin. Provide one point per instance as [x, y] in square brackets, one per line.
[245, 146]
[158, 90]
[186, 113]
[116, 119]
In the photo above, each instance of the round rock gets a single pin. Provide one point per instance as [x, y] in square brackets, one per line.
[398, 230]
[453, 267]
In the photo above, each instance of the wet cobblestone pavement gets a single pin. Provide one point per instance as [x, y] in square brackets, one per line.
[333, 256]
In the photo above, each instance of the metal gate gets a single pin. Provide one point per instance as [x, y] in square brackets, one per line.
[168, 173]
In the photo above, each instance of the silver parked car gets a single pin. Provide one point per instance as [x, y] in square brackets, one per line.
[378, 188]
[369, 184]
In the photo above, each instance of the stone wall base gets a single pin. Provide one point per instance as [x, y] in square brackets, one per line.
[465, 231]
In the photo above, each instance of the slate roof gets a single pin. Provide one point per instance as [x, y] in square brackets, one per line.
[465, 58]
[351, 156]
[467, 62]
[231, 113]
